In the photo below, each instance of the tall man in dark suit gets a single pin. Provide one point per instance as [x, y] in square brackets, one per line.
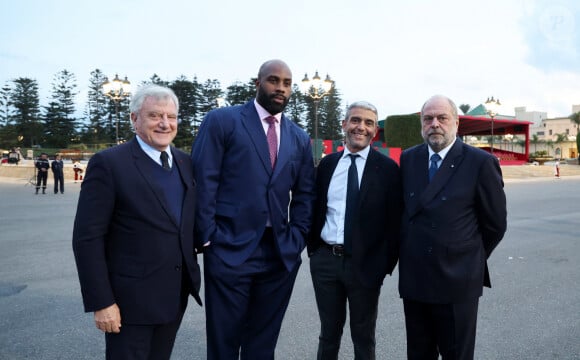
[455, 215]
[349, 262]
[255, 177]
[133, 233]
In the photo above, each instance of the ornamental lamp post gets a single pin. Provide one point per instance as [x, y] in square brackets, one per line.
[117, 90]
[316, 89]
[492, 106]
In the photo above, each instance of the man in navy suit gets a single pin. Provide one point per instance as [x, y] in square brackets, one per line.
[354, 273]
[455, 215]
[255, 176]
[133, 233]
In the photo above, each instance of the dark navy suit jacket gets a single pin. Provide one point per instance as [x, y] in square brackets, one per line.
[238, 190]
[128, 247]
[376, 232]
[451, 225]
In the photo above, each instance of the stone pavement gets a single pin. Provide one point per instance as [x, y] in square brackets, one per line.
[541, 171]
[532, 311]
[21, 173]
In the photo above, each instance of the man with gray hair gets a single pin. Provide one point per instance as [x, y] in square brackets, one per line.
[353, 243]
[133, 233]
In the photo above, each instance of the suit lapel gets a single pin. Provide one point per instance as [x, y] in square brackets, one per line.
[285, 148]
[326, 173]
[253, 125]
[367, 177]
[447, 169]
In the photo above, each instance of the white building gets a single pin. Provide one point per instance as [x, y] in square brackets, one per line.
[551, 132]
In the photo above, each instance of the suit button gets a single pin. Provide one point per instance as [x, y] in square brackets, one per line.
[178, 268]
[430, 249]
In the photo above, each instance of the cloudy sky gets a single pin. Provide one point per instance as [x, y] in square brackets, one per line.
[394, 54]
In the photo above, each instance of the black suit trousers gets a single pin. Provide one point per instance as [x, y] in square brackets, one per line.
[335, 285]
[141, 342]
[446, 329]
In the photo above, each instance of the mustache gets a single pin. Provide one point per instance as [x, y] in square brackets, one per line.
[278, 96]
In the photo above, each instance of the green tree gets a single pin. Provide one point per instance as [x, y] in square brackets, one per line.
[296, 108]
[155, 79]
[59, 120]
[327, 113]
[8, 134]
[330, 116]
[576, 120]
[98, 127]
[5, 108]
[535, 140]
[187, 93]
[239, 93]
[210, 93]
[24, 98]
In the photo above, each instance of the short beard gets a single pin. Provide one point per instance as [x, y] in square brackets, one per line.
[266, 102]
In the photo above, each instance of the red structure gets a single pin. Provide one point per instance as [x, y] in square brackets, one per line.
[482, 126]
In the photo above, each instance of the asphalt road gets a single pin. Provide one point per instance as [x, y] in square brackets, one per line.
[532, 312]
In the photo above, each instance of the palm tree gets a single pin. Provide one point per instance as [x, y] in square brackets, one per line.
[535, 140]
[576, 120]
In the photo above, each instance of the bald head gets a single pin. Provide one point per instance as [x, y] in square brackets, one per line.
[266, 67]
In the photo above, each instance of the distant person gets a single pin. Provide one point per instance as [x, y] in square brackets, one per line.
[78, 170]
[133, 233]
[557, 169]
[255, 176]
[57, 167]
[455, 216]
[13, 157]
[42, 165]
[354, 239]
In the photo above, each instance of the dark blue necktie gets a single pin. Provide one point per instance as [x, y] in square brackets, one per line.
[165, 160]
[433, 167]
[352, 190]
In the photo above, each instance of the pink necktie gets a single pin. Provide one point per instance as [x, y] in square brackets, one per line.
[272, 139]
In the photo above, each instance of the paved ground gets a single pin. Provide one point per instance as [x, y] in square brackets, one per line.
[532, 312]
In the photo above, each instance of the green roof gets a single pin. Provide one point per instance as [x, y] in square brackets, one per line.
[479, 110]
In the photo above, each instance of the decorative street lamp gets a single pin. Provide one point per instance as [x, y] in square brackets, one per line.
[117, 90]
[492, 106]
[316, 89]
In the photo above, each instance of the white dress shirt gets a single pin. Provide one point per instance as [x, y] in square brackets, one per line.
[263, 114]
[333, 229]
[441, 153]
[154, 153]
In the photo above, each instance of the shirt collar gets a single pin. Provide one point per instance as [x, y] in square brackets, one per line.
[364, 153]
[263, 113]
[152, 152]
[443, 152]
